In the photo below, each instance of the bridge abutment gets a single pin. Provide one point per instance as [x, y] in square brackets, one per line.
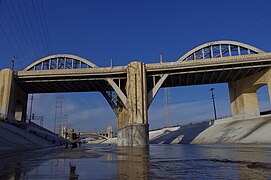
[133, 128]
[13, 100]
[243, 95]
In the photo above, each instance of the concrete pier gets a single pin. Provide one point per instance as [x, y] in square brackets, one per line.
[243, 95]
[133, 120]
[13, 100]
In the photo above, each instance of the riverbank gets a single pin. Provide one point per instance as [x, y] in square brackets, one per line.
[15, 138]
[222, 131]
[229, 131]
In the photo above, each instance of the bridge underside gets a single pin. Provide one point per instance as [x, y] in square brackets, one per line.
[207, 75]
[64, 85]
[67, 84]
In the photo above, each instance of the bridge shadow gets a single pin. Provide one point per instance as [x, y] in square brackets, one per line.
[184, 135]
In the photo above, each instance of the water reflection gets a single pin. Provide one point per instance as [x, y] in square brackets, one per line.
[158, 162]
[73, 174]
[133, 163]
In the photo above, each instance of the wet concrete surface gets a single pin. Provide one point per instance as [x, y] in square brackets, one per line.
[157, 162]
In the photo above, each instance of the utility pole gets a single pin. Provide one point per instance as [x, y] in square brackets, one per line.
[12, 62]
[168, 112]
[31, 104]
[111, 62]
[161, 57]
[213, 100]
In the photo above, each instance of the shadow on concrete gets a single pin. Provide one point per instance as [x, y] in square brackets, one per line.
[185, 135]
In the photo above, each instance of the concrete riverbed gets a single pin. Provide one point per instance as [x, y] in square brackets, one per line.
[161, 161]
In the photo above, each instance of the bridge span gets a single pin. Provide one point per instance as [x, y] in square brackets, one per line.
[103, 135]
[131, 89]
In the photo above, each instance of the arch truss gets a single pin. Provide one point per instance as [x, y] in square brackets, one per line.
[209, 50]
[114, 95]
[218, 49]
[60, 61]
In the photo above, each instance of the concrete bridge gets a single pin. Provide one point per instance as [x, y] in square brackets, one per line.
[103, 135]
[131, 89]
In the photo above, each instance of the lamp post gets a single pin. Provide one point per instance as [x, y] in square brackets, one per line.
[213, 99]
[31, 104]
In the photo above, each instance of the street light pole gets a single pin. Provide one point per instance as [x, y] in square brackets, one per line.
[30, 114]
[213, 99]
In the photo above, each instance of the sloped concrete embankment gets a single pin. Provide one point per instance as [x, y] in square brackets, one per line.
[179, 135]
[15, 139]
[223, 131]
[248, 131]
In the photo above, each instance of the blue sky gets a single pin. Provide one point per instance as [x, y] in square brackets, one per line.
[126, 31]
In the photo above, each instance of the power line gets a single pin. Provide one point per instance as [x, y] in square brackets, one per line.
[16, 27]
[38, 27]
[252, 23]
[9, 43]
[257, 32]
[241, 22]
[43, 26]
[24, 51]
[28, 29]
[31, 23]
[12, 33]
[46, 27]
[21, 30]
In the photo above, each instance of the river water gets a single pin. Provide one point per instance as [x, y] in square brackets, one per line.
[159, 161]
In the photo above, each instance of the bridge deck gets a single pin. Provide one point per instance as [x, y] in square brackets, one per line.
[215, 70]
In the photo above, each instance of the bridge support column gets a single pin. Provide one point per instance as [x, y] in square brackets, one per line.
[13, 100]
[243, 104]
[133, 128]
[243, 96]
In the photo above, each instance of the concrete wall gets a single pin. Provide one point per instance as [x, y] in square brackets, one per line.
[15, 139]
[13, 100]
[230, 131]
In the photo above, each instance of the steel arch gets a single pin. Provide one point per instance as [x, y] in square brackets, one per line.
[201, 50]
[60, 62]
[217, 49]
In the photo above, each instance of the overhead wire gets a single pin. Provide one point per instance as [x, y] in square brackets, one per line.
[6, 36]
[30, 34]
[42, 25]
[38, 27]
[259, 31]
[21, 31]
[268, 25]
[240, 21]
[8, 40]
[46, 27]
[27, 36]
[12, 34]
[32, 26]
[18, 33]
[252, 23]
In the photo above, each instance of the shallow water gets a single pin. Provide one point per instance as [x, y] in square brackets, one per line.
[158, 162]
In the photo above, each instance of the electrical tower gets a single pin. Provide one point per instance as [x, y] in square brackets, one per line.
[66, 121]
[168, 111]
[58, 114]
